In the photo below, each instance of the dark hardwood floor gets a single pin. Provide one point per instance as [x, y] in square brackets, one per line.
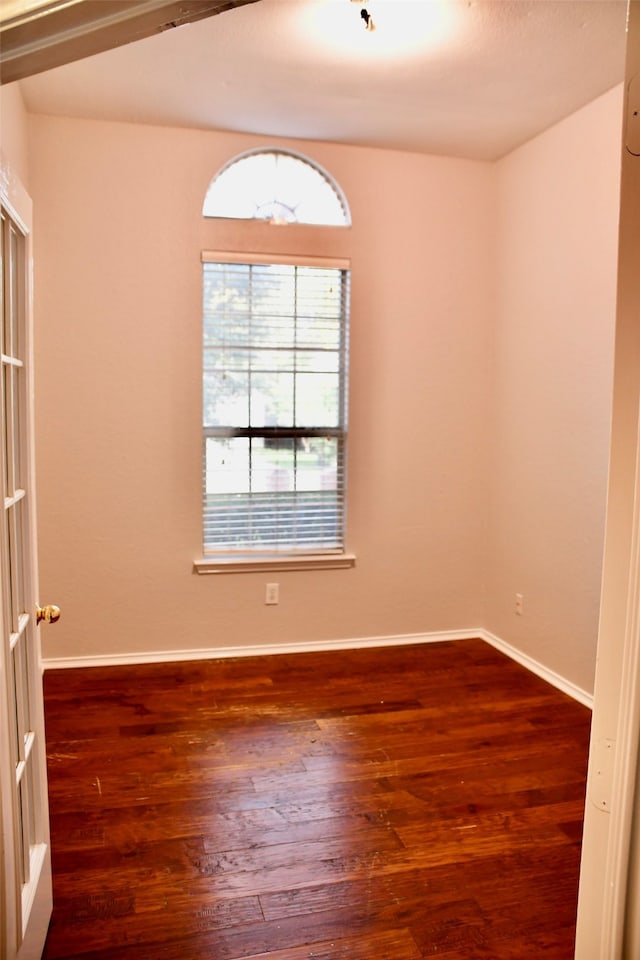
[385, 804]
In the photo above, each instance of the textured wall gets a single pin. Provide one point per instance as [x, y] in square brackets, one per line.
[483, 305]
[552, 380]
[13, 131]
[118, 236]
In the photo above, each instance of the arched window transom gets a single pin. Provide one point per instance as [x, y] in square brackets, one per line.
[277, 186]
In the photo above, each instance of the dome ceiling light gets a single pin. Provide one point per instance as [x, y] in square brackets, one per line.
[366, 17]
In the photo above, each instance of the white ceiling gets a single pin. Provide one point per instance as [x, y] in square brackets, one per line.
[467, 78]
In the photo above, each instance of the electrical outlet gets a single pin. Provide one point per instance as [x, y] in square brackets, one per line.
[272, 594]
[519, 604]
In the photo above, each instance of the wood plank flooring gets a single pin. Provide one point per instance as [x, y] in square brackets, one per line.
[387, 804]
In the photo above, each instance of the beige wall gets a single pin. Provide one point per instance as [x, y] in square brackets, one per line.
[118, 235]
[482, 330]
[552, 375]
[13, 131]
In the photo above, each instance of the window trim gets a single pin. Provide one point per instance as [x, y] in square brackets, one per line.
[317, 168]
[293, 259]
[252, 564]
[331, 559]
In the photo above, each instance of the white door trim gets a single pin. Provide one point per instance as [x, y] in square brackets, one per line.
[610, 817]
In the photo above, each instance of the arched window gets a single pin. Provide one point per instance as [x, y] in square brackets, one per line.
[274, 374]
[278, 186]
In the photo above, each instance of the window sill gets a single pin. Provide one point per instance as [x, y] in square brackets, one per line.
[314, 561]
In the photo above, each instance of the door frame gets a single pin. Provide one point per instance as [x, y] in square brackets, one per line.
[21, 939]
[606, 928]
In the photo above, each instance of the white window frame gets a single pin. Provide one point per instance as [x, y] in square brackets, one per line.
[232, 194]
[230, 562]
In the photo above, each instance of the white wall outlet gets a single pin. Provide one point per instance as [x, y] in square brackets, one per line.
[272, 594]
[519, 604]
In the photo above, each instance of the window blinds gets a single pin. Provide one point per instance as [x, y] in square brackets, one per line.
[274, 406]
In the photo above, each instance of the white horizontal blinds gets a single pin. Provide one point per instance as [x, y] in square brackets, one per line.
[274, 406]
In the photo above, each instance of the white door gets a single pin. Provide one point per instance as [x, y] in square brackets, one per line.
[25, 857]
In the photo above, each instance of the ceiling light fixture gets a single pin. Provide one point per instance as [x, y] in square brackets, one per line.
[366, 17]
[397, 30]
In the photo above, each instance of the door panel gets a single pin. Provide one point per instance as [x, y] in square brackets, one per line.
[25, 863]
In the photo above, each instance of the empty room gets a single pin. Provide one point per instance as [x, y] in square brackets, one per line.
[312, 348]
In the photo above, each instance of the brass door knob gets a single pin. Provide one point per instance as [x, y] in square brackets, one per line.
[50, 613]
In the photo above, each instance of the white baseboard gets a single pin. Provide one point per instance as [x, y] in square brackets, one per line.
[256, 650]
[309, 646]
[561, 683]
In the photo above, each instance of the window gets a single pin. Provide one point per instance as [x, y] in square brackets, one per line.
[278, 186]
[274, 372]
[274, 404]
